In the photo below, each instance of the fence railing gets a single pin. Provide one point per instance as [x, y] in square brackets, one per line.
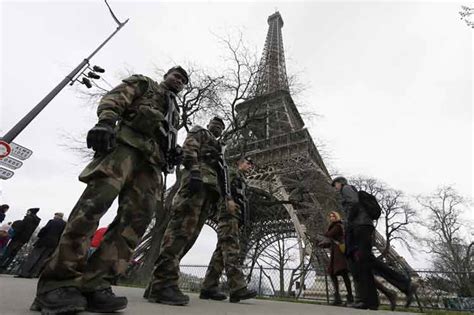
[436, 289]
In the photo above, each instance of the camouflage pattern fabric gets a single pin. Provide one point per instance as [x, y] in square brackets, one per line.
[200, 150]
[189, 211]
[138, 184]
[227, 253]
[130, 172]
[140, 105]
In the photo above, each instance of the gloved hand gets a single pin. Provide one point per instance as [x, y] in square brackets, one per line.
[195, 182]
[101, 138]
[176, 156]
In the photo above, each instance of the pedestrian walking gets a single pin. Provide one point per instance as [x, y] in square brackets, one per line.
[134, 141]
[198, 193]
[337, 261]
[48, 239]
[4, 237]
[227, 253]
[359, 228]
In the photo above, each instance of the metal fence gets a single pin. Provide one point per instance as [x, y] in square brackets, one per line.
[435, 289]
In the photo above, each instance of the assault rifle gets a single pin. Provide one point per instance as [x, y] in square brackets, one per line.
[224, 168]
[173, 152]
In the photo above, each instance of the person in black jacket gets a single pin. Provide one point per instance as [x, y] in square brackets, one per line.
[363, 264]
[23, 231]
[359, 230]
[48, 239]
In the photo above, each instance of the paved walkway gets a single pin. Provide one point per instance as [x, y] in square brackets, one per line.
[16, 296]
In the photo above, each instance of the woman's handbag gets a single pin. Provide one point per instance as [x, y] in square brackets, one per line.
[341, 245]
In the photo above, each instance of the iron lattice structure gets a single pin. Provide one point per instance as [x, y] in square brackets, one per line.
[272, 73]
[290, 193]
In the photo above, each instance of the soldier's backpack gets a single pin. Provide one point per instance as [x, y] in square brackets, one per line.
[370, 204]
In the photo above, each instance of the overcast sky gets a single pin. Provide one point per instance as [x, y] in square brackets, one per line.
[392, 83]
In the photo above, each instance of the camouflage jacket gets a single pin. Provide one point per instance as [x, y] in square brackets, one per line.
[201, 151]
[140, 105]
[238, 187]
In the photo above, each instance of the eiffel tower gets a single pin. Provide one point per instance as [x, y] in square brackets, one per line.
[290, 192]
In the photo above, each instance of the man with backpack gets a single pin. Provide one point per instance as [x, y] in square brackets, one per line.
[359, 228]
[361, 209]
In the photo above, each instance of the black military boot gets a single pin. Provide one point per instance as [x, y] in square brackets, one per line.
[105, 301]
[242, 294]
[169, 295]
[58, 301]
[212, 294]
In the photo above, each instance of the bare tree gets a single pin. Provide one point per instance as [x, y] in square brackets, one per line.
[278, 256]
[241, 69]
[466, 13]
[448, 240]
[397, 214]
[299, 273]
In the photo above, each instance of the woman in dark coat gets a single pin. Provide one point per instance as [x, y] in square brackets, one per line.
[337, 263]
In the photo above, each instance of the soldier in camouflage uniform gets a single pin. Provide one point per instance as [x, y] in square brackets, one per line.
[192, 205]
[226, 254]
[131, 145]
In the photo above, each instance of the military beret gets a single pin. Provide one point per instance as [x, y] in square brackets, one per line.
[219, 120]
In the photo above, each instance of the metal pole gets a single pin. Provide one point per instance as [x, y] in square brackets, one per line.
[25, 121]
[260, 282]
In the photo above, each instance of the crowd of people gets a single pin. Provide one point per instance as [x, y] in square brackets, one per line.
[15, 235]
[135, 143]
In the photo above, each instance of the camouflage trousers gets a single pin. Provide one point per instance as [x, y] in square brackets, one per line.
[227, 253]
[124, 173]
[189, 213]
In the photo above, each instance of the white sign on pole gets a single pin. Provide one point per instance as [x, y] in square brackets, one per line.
[5, 174]
[20, 152]
[11, 163]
